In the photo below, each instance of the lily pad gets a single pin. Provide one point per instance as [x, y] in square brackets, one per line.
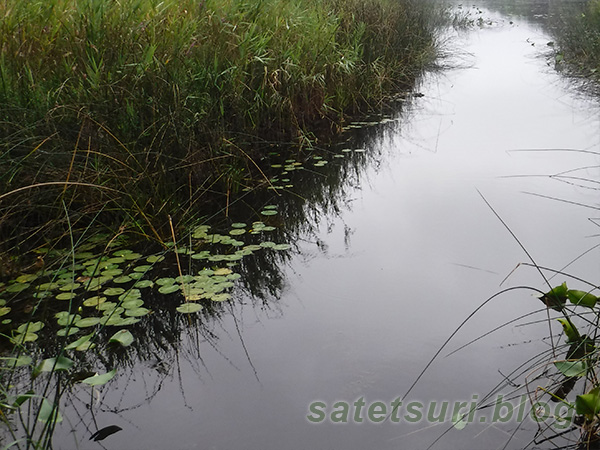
[30, 327]
[140, 284]
[155, 259]
[137, 312]
[122, 337]
[222, 271]
[169, 289]
[269, 212]
[237, 232]
[67, 331]
[17, 287]
[87, 322]
[94, 301]
[123, 279]
[114, 291]
[220, 297]
[188, 308]
[98, 380]
[66, 296]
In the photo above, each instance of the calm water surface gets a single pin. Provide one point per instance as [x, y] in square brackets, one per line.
[372, 296]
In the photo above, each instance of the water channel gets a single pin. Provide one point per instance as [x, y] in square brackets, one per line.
[379, 283]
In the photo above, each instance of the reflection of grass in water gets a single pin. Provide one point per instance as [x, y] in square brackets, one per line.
[565, 375]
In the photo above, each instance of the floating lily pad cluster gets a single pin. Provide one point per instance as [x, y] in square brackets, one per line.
[107, 290]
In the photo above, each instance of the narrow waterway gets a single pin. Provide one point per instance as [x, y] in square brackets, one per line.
[376, 291]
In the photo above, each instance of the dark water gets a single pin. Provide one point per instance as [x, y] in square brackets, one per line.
[384, 278]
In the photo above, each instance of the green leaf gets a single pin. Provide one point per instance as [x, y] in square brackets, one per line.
[582, 298]
[80, 341]
[123, 337]
[30, 327]
[53, 364]
[588, 404]
[571, 368]
[98, 380]
[49, 413]
[188, 308]
[168, 289]
[570, 330]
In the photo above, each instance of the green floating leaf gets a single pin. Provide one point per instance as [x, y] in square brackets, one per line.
[30, 327]
[188, 308]
[132, 304]
[49, 413]
[25, 278]
[87, 322]
[21, 338]
[98, 380]
[282, 247]
[94, 301]
[122, 337]
[132, 256]
[82, 340]
[67, 331]
[268, 212]
[168, 289]
[220, 297]
[582, 298]
[68, 319]
[165, 281]
[137, 312]
[143, 268]
[22, 360]
[114, 291]
[155, 259]
[141, 284]
[237, 232]
[588, 404]
[17, 287]
[571, 368]
[66, 296]
[70, 286]
[53, 364]
[238, 225]
[111, 272]
[556, 297]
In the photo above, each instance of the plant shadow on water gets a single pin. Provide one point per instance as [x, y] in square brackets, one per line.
[107, 311]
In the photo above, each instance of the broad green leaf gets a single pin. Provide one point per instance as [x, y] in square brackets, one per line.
[80, 341]
[188, 308]
[269, 212]
[123, 337]
[87, 322]
[571, 368]
[67, 331]
[30, 327]
[168, 289]
[222, 271]
[98, 380]
[53, 364]
[94, 301]
[114, 291]
[582, 298]
[588, 404]
[570, 330]
[49, 413]
[137, 312]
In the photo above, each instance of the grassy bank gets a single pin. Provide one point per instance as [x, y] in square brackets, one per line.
[577, 41]
[126, 111]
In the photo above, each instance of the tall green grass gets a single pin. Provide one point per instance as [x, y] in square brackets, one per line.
[139, 106]
[577, 35]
